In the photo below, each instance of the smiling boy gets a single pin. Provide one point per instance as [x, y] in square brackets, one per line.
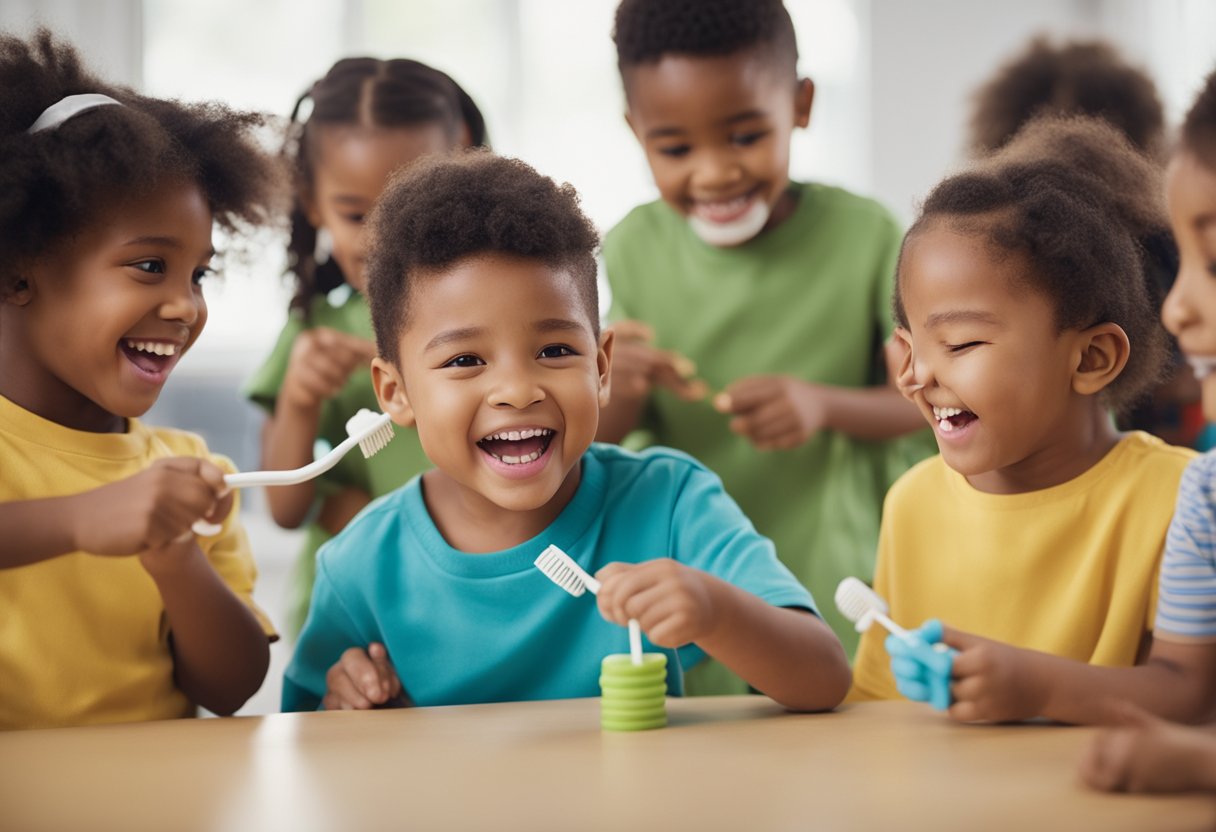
[482, 288]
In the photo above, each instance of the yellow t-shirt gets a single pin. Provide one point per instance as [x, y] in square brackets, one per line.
[1069, 570]
[84, 638]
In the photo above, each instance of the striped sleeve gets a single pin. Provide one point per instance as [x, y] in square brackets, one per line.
[1186, 598]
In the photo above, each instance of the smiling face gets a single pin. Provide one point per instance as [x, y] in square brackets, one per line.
[998, 376]
[1190, 309]
[92, 335]
[352, 166]
[716, 132]
[501, 371]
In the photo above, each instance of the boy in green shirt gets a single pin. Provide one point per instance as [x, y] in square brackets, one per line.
[778, 291]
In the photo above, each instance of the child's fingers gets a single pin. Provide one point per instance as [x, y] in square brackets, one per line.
[365, 675]
[746, 395]
[390, 684]
[1104, 763]
[631, 330]
[342, 694]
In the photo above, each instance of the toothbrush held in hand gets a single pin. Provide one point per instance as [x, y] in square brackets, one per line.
[370, 431]
[563, 571]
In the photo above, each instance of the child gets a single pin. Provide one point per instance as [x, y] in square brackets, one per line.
[481, 281]
[1092, 78]
[113, 610]
[1040, 527]
[778, 290]
[368, 118]
[1179, 679]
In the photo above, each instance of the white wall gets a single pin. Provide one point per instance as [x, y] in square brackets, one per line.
[108, 32]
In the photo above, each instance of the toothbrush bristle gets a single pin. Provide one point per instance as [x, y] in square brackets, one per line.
[854, 599]
[553, 563]
[376, 441]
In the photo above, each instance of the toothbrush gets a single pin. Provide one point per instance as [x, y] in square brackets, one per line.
[563, 571]
[370, 431]
[863, 606]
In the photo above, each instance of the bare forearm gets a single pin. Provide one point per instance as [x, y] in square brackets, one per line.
[871, 413]
[287, 443]
[220, 652]
[1077, 693]
[35, 530]
[789, 655]
[340, 508]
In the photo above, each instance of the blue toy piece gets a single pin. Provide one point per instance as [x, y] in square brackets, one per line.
[922, 664]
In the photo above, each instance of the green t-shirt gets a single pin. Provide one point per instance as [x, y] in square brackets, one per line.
[389, 469]
[812, 299]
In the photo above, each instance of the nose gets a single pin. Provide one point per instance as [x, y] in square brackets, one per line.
[515, 387]
[717, 168]
[1179, 310]
[183, 301]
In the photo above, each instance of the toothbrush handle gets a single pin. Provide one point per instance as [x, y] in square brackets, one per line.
[635, 641]
[892, 627]
[313, 469]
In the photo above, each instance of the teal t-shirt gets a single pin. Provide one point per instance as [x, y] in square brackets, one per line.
[812, 299]
[466, 628]
[390, 468]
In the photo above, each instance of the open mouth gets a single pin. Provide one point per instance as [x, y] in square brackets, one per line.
[950, 419]
[152, 358]
[517, 447]
[1202, 365]
[724, 210]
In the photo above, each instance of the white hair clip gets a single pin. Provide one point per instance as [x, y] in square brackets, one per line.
[68, 106]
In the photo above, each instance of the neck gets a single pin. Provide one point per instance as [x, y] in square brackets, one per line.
[1074, 451]
[472, 523]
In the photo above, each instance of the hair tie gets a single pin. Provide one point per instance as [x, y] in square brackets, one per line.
[66, 107]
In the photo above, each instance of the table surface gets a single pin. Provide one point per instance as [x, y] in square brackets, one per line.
[738, 763]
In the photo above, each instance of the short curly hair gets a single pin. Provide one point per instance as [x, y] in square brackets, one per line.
[365, 92]
[55, 182]
[1199, 127]
[647, 30]
[1079, 226]
[1073, 78]
[445, 209]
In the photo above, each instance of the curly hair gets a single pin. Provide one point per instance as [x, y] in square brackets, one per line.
[366, 92]
[55, 182]
[445, 209]
[647, 30]
[1199, 127]
[1080, 228]
[1074, 78]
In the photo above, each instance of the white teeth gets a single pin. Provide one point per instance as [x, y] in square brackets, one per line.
[519, 460]
[940, 413]
[154, 347]
[516, 435]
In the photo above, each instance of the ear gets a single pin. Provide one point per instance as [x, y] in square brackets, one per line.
[804, 97]
[21, 294]
[603, 363]
[390, 392]
[901, 368]
[633, 127]
[1101, 354]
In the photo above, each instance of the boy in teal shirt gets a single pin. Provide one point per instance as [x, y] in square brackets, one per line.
[482, 289]
[778, 291]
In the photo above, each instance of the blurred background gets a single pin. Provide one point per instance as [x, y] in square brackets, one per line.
[893, 79]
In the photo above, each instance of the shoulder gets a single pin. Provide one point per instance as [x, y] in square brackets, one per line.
[185, 443]
[852, 209]
[928, 476]
[650, 471]
[646, 220]
[1150, 457]
[374, 530]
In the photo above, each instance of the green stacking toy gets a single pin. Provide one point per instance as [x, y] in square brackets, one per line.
[633, 697]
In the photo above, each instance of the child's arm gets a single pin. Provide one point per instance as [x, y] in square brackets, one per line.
[321, 362]
[782, 412]
[220, 653]
[1146, 754]
[340, 508]
[995, 682]
[790, 655]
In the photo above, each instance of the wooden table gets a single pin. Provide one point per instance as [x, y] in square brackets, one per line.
[736, 763]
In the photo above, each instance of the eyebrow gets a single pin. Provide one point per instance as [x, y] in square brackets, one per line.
[746, 115]
[466, 333]
[167, 242]
[955, 316]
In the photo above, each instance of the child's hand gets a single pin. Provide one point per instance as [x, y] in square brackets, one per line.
[154, 509]
[1147, 754]
[362, 679]
[774, 412]
[322, 360]
[672, 602]
[992, 681]
[638, 366]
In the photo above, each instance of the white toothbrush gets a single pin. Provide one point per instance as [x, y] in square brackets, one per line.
[863, 606]
[370, 431]
[563, 571]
